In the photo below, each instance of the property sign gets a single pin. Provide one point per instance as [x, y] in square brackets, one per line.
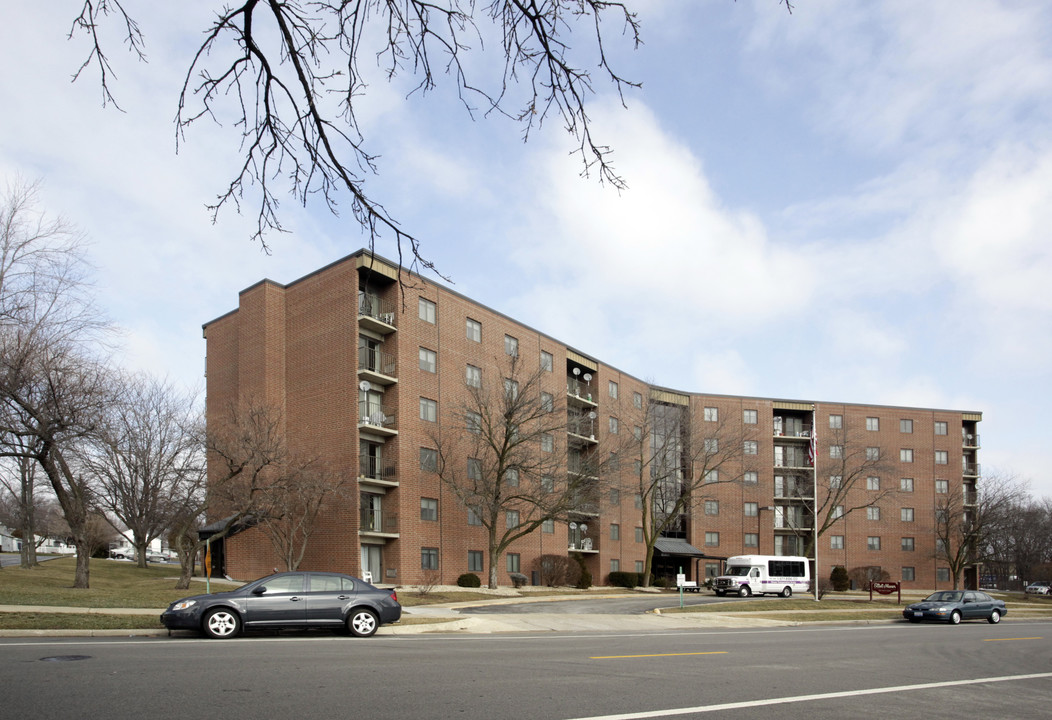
[885, 588]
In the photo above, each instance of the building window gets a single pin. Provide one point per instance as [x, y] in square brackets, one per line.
[547, 442]
[712, 507]
[428, 360]
[712, 414]
[873, 483]
[836, 422]
[639, 534]
[639, 566]
[941, 428]
[615, 496]
[749, 417]
[547, 402]
[546, 361]
[427, 311]
[752, 540]
[906, 484]
[637, 400]
[473, 422]
[474, 330]
[637, 432]
[429, 459]
[429, 558]
[475, 561]
[428, 410]
[429, 509]
[752, 509]
[836, 451]
[511, 477]
[942, 487]
[906, 514]
[547, 483]
[872, 453]
[751, 477]
[614, 426]
[473, 376]
[908, 574]
[942, 574]
[906, 455]
[907, 544]
[838, 512]
[942, 457]
[712, 539]
[511, 346]
[749, 447]
[615, 531]
[474, 469]
[548, 526]
[872, 513]
[615, 565]
[637, 501]
[872, 424]
[511, 519]
[513, 562]
[836, 542]
[612, 389]
[712, 445]
[511, 390]
[712, 476]
[473, 517]
[905, 426]
[873, 542]
[835, 481]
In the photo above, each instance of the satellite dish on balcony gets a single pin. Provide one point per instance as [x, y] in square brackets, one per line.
[364, 386]
[592, 415]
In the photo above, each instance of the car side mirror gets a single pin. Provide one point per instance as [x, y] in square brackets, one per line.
[259, 590]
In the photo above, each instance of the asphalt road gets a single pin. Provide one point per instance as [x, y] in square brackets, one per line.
[903, 671]
[635, 605]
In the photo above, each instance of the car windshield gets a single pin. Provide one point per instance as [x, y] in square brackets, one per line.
[945, 597]
[736, 571]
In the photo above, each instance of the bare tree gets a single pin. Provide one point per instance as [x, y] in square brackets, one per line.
[1023, 543]
[850, 479]
[145, 456]
[52, 381]
[288, 75]
[20, 480]
[677, 462]
[504, 459]
[966, 527]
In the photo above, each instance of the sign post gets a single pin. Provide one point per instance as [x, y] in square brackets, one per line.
[885, 588]
[680, 579]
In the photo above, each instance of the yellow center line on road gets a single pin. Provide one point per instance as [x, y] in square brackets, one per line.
[623, 657]
[1007, 639]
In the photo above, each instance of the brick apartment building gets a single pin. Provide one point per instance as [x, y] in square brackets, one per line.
[364, 369]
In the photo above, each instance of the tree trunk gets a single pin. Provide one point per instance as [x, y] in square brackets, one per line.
[140, 551]
[80, 580]
[494, 556]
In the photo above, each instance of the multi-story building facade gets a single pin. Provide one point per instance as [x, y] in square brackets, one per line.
[364, 366]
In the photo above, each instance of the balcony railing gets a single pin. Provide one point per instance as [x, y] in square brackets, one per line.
[583, 426]
[970, 440]
[804, 432]
[972, 469]
[378, 521]
[377, 417]
[377, 361]
[580, 389]
[376, 469]
[372, 306]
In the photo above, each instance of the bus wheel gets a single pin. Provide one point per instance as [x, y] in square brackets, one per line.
[787, 591]
[744, 591]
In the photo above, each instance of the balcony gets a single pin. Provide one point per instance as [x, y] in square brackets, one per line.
[377, 366]
[378, 421]
[376, 314]
[582, 428]
[970, 440]
[377, 523]
[375, 471]
[580, 393]
[971, 469]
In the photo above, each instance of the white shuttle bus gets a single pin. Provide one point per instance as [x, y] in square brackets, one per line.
[761, 574]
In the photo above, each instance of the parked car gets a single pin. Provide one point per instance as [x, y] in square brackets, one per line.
[123, 553]
[952, 606]
[288, 600]
[1041, 587]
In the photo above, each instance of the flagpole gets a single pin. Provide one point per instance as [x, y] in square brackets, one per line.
[814, 512]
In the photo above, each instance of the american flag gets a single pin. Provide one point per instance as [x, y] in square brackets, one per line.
[811, 447]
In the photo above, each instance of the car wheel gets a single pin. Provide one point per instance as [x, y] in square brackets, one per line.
[221, 624]
[719, 593]
[787, 591]
[914, 620]
[744, 591]
[363, 622]
[995, 617]
[955, 617]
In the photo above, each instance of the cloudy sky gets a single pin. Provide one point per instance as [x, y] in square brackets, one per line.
[847, 203]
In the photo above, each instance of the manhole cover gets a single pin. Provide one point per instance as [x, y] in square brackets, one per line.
[65, 658]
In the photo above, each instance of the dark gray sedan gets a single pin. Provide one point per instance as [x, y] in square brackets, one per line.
[288, 600]
[952, 606]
